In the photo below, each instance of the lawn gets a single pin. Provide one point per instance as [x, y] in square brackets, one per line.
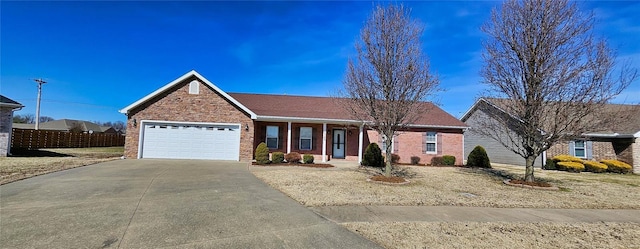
[451, 186]
[29, 163]
[455, 186]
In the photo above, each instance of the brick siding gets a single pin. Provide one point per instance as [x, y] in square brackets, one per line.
[176, 104]
[409, 143]
[636, 156]
[6, 121]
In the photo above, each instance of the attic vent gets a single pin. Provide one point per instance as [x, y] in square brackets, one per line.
[194, 87]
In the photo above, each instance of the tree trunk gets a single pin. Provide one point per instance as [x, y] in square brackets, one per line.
[388, 142]
[528, 175]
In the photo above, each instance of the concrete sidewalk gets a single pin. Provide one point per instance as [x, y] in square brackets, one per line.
[342, 214]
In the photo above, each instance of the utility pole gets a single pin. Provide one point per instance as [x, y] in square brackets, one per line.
[40, 82]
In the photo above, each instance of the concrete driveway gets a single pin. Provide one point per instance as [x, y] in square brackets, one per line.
[160, 203]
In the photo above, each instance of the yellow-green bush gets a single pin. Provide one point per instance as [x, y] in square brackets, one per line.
[566, 158]
[616, 166]
[595, 167]
[570, 166]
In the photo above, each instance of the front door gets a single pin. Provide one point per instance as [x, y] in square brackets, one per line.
[338, 143]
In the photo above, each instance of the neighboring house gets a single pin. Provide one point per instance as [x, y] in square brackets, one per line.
[621, 142]
[192, 118]
[68, 125]
[7, 107]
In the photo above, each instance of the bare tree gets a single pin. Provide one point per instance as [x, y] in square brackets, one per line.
[390, 76]
[30, 119]
[552, 76]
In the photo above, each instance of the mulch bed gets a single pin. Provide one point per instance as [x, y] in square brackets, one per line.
[428, 165]
[390, 179]
[309, 165]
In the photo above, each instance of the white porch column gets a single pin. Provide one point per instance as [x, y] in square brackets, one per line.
[324, 142]
[288, 137]
[360, 138]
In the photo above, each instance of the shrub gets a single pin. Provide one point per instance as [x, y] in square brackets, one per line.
[293, 157]
[277, 157]
[437, 161]
[566, 158]
[262, 154]
[616, 166]
[395, 158]
[550, 164]
[478, 158]
[449, 160]
[307, 158]
[570, 166]
[415, 160]
[595, 167]
[373, 156]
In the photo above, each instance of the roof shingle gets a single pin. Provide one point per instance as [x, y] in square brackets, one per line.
[327, 108]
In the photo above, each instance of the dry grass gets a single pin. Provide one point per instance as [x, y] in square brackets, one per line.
[499, 234]
[436, 186]
[449, 186]
[25, 164]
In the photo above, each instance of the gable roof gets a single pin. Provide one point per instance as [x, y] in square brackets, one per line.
[191, 73]
[625, 125]
[280, 107]
[7, 102]
[271, 107]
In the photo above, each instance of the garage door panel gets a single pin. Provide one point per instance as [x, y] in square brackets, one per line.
[186, 141]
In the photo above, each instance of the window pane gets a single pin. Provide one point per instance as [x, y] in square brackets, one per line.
[306, 132]
[272, 131]
[431, 136]
[431, 147]
[579, 152]
[305, 144]
[272, 143]
[579, 144]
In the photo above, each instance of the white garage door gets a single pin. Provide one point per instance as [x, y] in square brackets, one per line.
[191, 141]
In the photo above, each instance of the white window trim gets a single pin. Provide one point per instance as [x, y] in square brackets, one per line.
[310, 139]
[434, 142]
[276, 137]
[583, 148]
[194, 87]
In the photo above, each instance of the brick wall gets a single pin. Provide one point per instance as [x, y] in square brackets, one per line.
[176, 104]
[409, 143]
[600, 150]
[636, 156]
[6, 121]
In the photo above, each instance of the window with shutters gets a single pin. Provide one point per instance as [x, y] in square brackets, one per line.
[306, 134]
[194, 87]
[579, 149]
[272, 137]
[431, 143]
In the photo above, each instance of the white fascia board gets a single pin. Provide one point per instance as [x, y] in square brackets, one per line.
[12, 106]
[468, 113]
[182, 78]
[308, 120]
[637, 134]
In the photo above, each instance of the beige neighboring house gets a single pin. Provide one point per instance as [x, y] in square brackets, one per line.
[7, 107]
[67, 125]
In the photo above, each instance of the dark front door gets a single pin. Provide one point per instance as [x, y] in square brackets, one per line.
[338, 144]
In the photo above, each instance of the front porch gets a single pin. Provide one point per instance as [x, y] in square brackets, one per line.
[324, 140]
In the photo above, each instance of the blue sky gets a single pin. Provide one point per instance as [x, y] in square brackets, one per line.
[99, 57]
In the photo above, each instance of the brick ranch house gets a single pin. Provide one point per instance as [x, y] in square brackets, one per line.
[191, 118]
[621, 142]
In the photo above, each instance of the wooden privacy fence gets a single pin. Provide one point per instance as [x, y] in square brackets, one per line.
[34, 139]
